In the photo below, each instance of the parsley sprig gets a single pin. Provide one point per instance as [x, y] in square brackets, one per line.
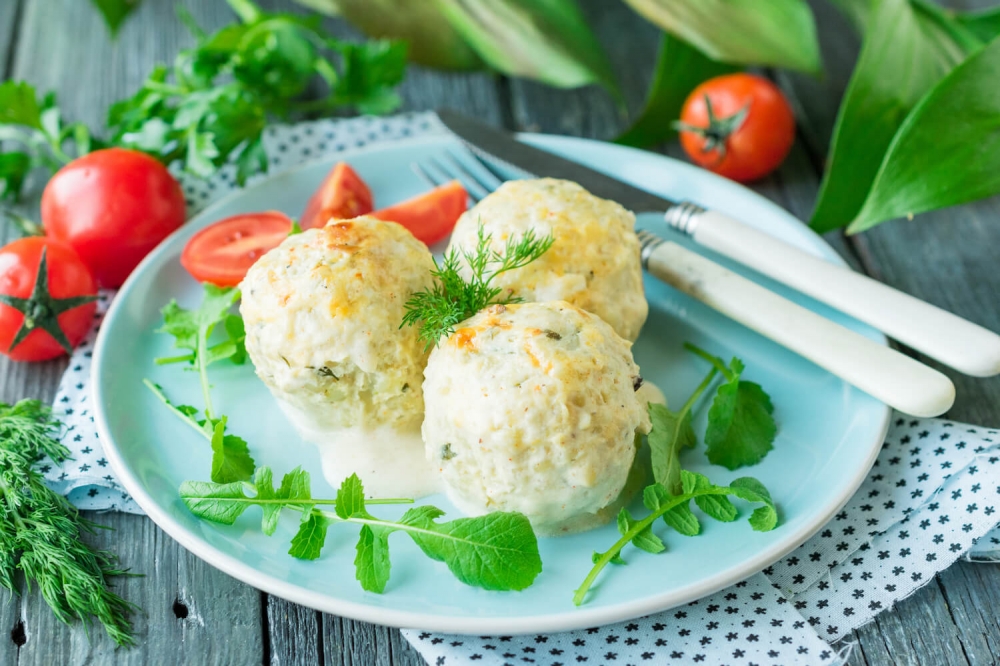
[498, 551]
[40, 531]
[192, 331]
[454, 298]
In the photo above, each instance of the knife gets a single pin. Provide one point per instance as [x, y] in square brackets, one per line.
[941, 335]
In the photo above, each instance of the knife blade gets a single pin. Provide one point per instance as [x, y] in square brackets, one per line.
[499, 144]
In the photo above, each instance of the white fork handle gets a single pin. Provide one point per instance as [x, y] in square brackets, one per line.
[960, 344]
[895, 379]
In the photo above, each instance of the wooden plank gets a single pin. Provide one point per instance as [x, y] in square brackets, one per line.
[294, 633]
[191, 613]
[8, 32]
[972, 591]
[350, 643]
[64, 46]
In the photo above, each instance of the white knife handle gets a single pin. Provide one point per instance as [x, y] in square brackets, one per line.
[960, 344]
[895, 379]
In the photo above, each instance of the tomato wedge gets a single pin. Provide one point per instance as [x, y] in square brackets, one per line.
[223, 252]
[431, 216]
[342, 195]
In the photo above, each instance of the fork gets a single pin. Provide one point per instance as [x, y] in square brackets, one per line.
[891, 377]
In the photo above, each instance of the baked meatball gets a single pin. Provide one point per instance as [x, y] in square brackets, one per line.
[533, 408]
[322, 314]
[593, 263]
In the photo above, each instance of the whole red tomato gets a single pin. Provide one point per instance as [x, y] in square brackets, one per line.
[43, 314]
[739, 126]
[112, 206]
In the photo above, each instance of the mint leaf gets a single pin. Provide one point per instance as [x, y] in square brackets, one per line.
[670, 433]
[217, 502]
[372, 561]
[19, 104]
[692, 482]
[497, 551]
[741, 429]
[351, 498]
[231, 459]
[764, 518]
[308, 541]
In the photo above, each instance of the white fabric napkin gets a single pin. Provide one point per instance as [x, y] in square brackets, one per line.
[930, 499]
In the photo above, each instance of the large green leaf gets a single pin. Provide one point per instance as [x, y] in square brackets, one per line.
[983, 24]
[948, 150]
[745, 32]
[545, 40]
[679, 69]
[432, 40]
[903, 55]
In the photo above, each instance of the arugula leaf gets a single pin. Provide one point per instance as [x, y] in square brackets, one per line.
[643, 538]
[670, 433]
[711, 499]
[372, 561]
[231, 459]
[192, 329]
[498, 551]
[679, 69]
[309, 540]
[741, 428]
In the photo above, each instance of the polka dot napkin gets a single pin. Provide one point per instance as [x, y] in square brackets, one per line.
[931, 498]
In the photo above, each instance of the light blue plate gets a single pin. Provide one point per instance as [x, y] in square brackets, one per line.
[829, 432]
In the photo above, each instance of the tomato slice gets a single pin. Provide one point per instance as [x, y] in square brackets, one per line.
[342, 195]
[223, 252]
[431, 216]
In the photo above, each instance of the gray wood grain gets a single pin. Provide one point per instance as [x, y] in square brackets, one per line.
[351, 643]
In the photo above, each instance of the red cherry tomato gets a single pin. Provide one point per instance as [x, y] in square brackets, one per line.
[739, 126]
[431, 216]
[223, 252]
[112, 206]
[43, 319]
[342, 195]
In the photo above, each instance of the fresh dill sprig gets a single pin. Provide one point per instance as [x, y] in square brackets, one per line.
[40, 530]
[453, 298]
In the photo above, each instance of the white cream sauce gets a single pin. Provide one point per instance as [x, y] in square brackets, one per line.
[650, 392]
[389, 462]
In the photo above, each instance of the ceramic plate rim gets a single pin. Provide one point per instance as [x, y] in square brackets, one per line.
[575, 619]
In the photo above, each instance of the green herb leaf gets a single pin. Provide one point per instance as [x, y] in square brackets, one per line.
[984, 24]
[351, 498]
[309, 540]
[115, 12]
[904, 54]
[208, 501]
[41, 534]
[453, 299]
[946, 152]
[231, 459]
[19, 104]
[643, 538]
[670, 433]
[741, 429]
[679, 69]
[675, 511]
[781, 33]
[497, 551]
[545, 40]
[14, 168]
[372, 560]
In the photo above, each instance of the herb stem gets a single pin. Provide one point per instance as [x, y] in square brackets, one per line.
[203, 371]
[638, 527]
[714, 360]
[167, 360]
[697, 394]
[158, 392]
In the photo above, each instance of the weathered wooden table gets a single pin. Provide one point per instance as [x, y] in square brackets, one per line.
[193, 614]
